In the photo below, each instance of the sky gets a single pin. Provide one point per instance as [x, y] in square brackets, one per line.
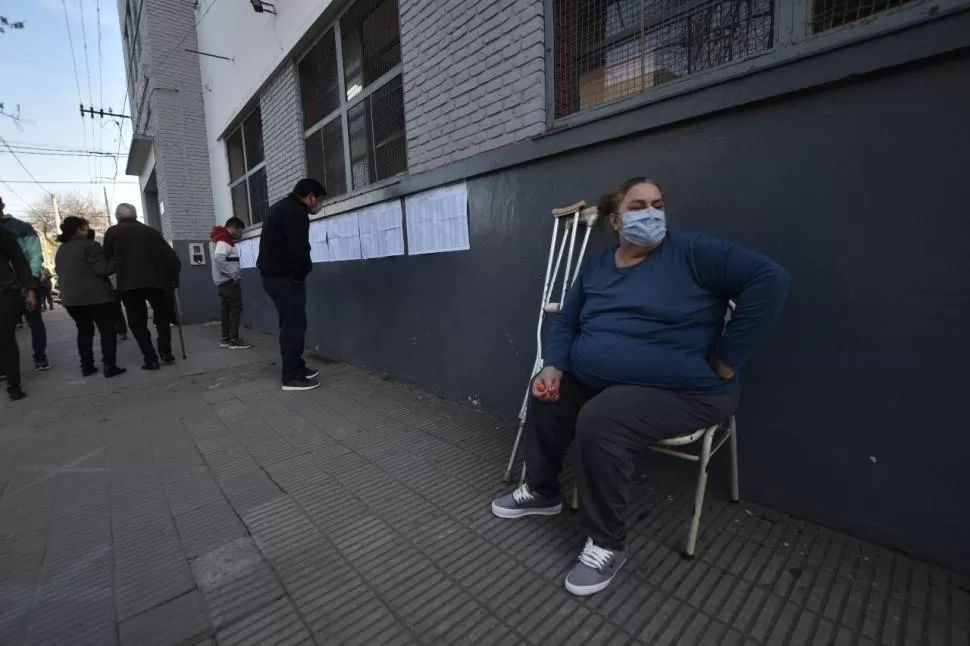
[38, 74]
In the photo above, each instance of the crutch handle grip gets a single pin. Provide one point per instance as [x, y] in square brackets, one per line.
[552, 308]
[568, 210]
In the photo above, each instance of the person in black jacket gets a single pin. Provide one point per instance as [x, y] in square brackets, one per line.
[87, 295]
[15, 279]
[121, 325]
[147, 270]
[284, 262]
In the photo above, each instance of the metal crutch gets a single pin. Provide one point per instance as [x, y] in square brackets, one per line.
[586, 217]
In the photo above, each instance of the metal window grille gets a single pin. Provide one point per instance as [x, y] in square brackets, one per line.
[353, 100]
[247, 170]
[607, 50]
[829, 14]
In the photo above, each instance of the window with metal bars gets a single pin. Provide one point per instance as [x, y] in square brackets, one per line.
[607, 50]
[247, 170]
[353, 99]
[829, 14]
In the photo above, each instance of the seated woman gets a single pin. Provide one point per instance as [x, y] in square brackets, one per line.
[637, 355]
[87, 295]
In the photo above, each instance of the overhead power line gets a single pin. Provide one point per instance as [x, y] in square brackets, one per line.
[62, 181]
[41, 153]
[77, 77]
[12, 190]
[29, 174]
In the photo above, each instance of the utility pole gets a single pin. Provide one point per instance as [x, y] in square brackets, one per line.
[107, 208]
[57, 214]
[101, 112]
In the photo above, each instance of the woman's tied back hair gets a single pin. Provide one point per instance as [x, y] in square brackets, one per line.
[609, 203]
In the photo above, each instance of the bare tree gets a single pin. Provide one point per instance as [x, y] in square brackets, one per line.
[41, 215]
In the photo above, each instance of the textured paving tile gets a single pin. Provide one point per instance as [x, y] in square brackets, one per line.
[177, 621]
[200, 505]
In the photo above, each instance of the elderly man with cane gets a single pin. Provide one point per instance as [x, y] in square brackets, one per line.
[147, 271]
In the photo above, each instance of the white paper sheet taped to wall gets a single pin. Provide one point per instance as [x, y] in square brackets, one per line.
[438, 220]
[248, 252]
[319, 249]
[381, 230]
[343, 237]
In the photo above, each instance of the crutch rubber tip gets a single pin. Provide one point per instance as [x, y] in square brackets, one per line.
[507, 477]
[686, 556]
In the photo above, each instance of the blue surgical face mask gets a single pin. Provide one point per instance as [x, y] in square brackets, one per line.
[644, 227]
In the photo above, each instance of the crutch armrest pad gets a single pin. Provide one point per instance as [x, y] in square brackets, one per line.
[568, 210]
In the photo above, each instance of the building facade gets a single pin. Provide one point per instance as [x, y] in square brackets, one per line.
[168, 150]
[827, 134]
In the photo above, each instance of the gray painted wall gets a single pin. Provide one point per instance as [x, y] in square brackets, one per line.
[198, 296]
[852, 413]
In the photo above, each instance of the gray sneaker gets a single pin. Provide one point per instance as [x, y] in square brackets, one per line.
[594, 569]
[525, 502]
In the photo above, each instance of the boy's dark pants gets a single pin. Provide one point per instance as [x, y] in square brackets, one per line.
[230, 293]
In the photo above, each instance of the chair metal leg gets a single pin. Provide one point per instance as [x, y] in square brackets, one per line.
[695, 521]
[733, 448]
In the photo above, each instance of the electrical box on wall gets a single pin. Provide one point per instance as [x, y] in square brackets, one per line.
[196, 253]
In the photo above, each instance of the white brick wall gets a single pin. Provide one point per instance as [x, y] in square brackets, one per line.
[283, 133]
[474, 76]
[174, 96]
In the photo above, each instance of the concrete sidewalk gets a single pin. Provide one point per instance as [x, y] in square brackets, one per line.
[202, 505]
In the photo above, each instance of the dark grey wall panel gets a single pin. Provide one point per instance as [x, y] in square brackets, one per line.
[198, 296]
[854, 411]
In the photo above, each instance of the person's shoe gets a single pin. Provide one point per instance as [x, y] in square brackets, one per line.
[167, 359]
[88, 371]
[150, 365]
[42, 365]
[15, 393]
[224, 343]
[594, 569]
[113, 371]
[300, 383]
[239, 344]
[525, 502]
[310, 373]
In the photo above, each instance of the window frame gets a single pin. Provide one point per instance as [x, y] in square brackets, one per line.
[793, 40]
[247, 172]
[342, 110]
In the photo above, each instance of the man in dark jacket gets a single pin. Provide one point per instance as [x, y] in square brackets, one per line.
[147, 271]
[284, 262]
[29, 243]
[15, 278]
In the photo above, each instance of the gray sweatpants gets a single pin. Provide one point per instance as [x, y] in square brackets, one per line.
[611, 427]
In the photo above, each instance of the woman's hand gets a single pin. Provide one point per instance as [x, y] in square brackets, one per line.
[721, 369]
[545, 387]
[31, 300]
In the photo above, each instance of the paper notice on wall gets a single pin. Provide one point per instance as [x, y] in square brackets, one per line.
[319, 249]
[438, 220]
[343, 237]
[381, 230]
[248, 252]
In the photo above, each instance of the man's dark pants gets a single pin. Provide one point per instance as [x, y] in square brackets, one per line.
[38, 331]
[136, 305]
[289, 297]
[10, 304]
[611, 427]
[121, 326]
[230, 294]
[86, 318]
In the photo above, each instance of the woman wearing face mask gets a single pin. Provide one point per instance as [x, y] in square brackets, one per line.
[637, 355]
[87, 294]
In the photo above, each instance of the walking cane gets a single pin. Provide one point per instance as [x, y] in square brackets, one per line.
[178, 321]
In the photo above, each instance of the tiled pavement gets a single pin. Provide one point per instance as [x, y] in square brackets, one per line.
[201, 505]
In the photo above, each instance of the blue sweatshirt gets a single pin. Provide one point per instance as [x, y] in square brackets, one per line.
[654, 324]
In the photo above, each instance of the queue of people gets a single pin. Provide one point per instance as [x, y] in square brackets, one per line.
[135, 267]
